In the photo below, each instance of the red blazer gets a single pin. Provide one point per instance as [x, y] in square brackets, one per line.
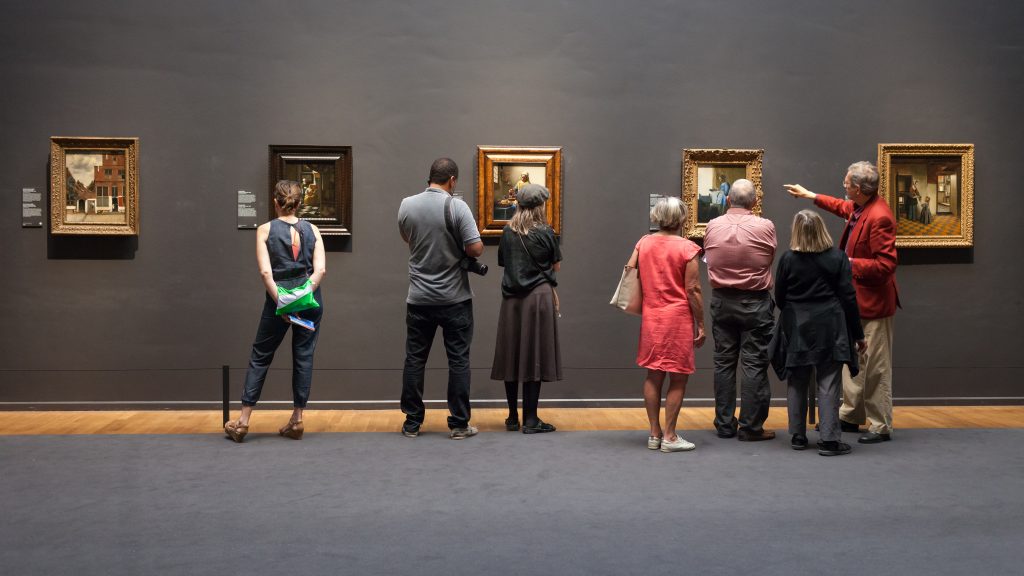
[871, 246]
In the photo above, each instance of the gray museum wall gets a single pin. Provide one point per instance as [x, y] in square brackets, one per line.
[623, 87]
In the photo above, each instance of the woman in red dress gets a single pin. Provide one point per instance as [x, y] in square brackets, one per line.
[672, 319]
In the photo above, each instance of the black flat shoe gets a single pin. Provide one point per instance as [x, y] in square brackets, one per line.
[540, 428]
[799, 442]
[845, 426]
[873, 438]
[512, 424]
[833, 448]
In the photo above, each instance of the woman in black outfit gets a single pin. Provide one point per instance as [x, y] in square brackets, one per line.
[289, 253]
[527, 347]
[819, 329]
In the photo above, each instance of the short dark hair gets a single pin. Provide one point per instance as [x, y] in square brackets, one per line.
[442, 170]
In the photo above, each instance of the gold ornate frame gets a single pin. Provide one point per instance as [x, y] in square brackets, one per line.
[59, 146]
[887, 184]
[695, 157]
[488, 156]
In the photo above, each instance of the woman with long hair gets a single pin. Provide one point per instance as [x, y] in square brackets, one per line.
[290, 255]
[819, 329]
[672, 319]
[527, 349]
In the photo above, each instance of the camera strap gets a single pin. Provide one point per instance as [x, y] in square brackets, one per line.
[449, 223]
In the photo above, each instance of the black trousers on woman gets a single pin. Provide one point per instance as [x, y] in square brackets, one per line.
[269, 334]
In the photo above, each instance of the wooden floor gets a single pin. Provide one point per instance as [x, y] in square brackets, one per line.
[487, 419]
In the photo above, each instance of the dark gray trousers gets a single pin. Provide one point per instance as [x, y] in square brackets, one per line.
[741, 324]
[830, 383]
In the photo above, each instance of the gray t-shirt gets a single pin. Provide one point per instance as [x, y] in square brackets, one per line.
[435, 277]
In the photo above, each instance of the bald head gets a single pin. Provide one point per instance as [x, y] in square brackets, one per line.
[742, 194]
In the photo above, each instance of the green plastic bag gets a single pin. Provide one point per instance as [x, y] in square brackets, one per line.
[291, 300]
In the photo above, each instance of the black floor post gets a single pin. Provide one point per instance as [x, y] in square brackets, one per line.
[226, 378]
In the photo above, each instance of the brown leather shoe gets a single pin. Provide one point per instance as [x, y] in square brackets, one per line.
[748, 436]
[292, 430]
[235, 431]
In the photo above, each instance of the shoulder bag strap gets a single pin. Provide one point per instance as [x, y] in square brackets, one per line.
[534, 260]
[551, 281]
[636, 265]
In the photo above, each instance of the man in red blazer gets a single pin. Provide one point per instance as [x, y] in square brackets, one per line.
[869, 240]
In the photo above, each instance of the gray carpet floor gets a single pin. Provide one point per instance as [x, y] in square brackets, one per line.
[930, 502]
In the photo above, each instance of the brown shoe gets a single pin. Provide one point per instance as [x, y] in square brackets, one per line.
[235, 431]
[292, 430]
[748, 436]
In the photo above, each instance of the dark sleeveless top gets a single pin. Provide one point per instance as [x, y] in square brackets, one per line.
[290, 272]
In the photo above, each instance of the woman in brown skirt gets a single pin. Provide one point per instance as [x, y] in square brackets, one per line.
[527, 348]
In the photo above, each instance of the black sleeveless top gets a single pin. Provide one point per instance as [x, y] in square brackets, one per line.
[290, 272]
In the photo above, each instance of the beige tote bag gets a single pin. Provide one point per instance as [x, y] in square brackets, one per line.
[628, 295]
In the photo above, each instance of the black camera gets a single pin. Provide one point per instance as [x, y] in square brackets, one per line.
[471, 264]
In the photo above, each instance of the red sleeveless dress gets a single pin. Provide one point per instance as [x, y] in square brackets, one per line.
[666, 325]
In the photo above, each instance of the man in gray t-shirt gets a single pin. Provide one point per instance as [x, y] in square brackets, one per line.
[439, 295]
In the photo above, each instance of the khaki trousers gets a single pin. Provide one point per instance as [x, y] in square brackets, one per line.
[869, 395]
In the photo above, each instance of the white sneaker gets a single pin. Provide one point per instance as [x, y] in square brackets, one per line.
[678, 445]
[653, 442]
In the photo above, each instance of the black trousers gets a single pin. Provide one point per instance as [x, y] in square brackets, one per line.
[456, 322]
[269, 335]
[741, 324]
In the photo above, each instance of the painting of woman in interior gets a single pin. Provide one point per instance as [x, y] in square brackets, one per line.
[509, 179]
[912, 201]
[926, 213]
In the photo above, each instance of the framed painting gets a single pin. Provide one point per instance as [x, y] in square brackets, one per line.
[930, 188]
[502, 171]
[325, 174]
[707, 175]
[94, 186]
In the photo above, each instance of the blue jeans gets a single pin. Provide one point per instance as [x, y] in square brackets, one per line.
[269, 335]
[456, 322]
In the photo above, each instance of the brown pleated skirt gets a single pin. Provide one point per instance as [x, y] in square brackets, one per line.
[527, 347]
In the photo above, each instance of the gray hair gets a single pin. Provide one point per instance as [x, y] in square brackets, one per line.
[742, 194]
[669, 213]
[864, 175]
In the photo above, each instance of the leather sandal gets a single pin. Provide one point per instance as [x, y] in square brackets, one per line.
[512, 424]
[235, 431]
[292, 430]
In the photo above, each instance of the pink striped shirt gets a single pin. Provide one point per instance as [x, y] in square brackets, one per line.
[739, 249]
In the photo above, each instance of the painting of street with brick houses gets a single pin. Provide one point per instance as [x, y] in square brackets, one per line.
[95, 187]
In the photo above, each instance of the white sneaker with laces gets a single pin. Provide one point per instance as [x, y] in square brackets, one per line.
[653, 442]
[677, 445]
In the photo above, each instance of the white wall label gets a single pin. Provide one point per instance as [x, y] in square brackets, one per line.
[31, 208]
[246, 210]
